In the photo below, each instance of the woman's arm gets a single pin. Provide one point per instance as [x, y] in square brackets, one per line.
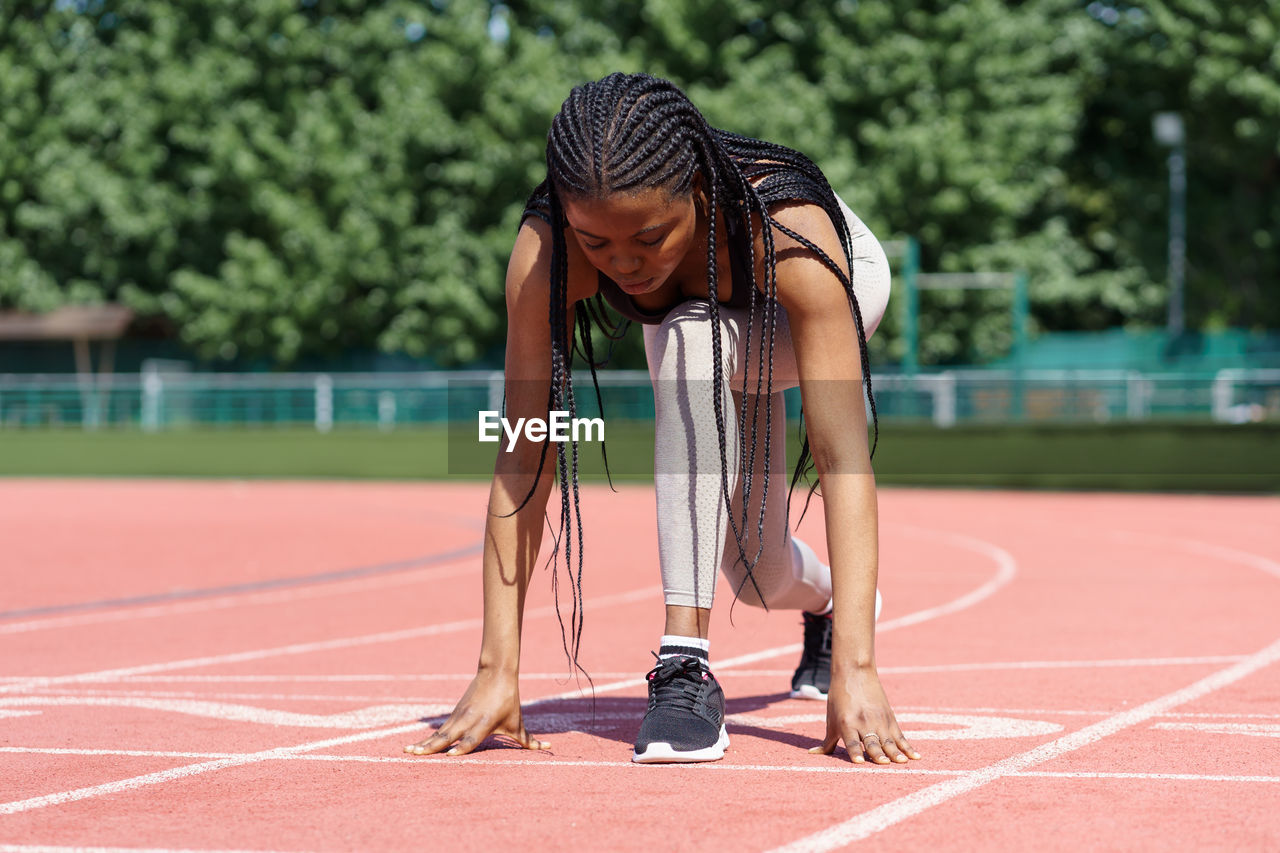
[491, 704]
[825, 340]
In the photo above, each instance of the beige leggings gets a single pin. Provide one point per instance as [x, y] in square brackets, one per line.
[693, 524]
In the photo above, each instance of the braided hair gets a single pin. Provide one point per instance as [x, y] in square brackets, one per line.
[629, 133]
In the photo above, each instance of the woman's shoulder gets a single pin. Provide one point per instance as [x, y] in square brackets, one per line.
[800, 228]
[797, 225]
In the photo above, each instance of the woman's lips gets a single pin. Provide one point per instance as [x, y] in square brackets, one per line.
[636, 285]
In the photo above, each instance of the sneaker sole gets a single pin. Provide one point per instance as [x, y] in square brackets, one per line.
[809, 691]
[661, 752]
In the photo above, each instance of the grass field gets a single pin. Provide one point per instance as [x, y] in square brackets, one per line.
[1181, 457]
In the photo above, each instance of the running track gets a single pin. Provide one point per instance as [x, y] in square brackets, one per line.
[236, 666]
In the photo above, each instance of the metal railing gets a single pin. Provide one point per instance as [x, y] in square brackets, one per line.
[165, 398]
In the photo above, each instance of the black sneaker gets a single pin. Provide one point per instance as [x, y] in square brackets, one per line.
[813, 675]
[685, 719]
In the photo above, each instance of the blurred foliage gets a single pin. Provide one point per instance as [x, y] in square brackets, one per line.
[284, 178]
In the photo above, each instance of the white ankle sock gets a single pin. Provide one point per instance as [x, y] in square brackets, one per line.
[673, 645]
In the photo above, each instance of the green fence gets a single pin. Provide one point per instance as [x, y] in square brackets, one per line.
[161, 400]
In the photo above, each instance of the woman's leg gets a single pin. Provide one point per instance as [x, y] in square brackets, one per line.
[694, 530]
[687, 464]
[694, 534]
[685, 718]
[787, 574]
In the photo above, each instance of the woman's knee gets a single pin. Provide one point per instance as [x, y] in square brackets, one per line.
[682, 345]
[746, 586]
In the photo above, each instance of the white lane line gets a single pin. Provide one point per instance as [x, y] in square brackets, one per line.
[875, 820]
[321, 678]
[1015, 665]
[1250, 729]
[948, 709]
[363, 718]
[738, 673]
[460, 566]
[1066, 664]
[1049, 712]
[1207, 549]
[1159, 777]
[48, 848]
[878, 819]
[127, 753]
[304, 648]
[190, 770]
[546, 760]
[966, 726]
[1006, 569]
[267, 697]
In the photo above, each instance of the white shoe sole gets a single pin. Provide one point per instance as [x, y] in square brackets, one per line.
[808, 691]
[661, 752]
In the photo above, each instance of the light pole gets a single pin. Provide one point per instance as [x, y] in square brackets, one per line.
[1169, 132]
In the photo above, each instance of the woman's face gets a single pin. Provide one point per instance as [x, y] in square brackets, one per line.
[636, 239]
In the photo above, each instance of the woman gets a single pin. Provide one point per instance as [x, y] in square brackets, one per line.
[737, 257]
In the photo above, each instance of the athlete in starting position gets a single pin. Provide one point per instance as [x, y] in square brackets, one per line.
[750, 276]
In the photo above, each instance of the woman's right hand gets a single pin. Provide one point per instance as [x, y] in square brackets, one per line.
[491, 706]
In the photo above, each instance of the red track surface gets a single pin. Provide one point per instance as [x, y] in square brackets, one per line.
[228, 665]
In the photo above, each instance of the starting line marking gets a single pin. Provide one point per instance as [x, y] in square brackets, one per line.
[1250, 729]
[257, 697]
[1006, 569]
[1204, 660]
[46, 848]
[304, 648]
[870, 822]
[196, 769]
[967, 727]
[875, 820]
[363, 718]
[354, 677]
[441, 762]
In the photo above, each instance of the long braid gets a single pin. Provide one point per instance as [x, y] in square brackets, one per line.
[636, 132]
[717, 395]
[562, 399]
[765, 370]
[786, 174]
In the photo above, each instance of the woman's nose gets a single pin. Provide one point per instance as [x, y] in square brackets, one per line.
[626, 264]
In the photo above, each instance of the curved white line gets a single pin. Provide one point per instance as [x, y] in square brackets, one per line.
[1207, 549]
[875, 820]
[1007, 569]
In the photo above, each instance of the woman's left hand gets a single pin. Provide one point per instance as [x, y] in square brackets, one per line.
[858, 713]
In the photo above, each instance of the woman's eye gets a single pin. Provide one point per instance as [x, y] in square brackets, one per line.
[650, 242]
[593, 246]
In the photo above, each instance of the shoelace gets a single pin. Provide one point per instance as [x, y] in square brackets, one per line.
[677, 681]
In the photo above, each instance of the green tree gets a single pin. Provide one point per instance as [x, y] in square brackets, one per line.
[1216, 64]
[952, 122]
[274, 178]
[289, 177]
